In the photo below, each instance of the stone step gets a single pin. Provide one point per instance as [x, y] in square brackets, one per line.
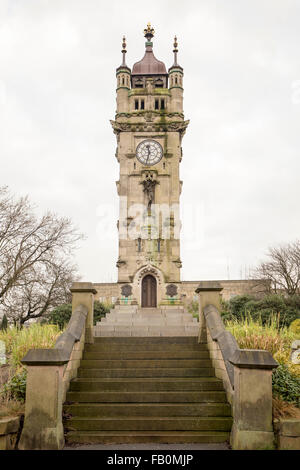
[119, 347]
[136, 316]
[111, 330]
[144, 363]
[147, 384]
[139, 355]
[149, 341]
[146, 321]
[140, 437]
[146, 423]
[87, 395]
[118, 410]
[149, 372]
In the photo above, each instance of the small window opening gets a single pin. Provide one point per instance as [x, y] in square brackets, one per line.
[136, 104]
[134, 166]
[156, 104]
[139, 245]
[164, 165]
[158, 245]
[162, 104]
[142, 104]
[123, 82]
[176, 81]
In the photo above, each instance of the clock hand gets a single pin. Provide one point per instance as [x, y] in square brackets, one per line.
[148, 147]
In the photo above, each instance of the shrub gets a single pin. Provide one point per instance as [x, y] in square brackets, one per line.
[100, 310]
[286, 308]
[15, 388]
[295, 327]
[285, 385]
[60, 316]
[283, 357]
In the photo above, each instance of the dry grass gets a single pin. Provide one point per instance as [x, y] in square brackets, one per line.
[252, 334]
[10, 407]
[283, 409]
[18, 342]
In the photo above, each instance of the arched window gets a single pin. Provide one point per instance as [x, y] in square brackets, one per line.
[139, 245]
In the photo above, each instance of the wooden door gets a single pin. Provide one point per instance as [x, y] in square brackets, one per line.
[149, 291]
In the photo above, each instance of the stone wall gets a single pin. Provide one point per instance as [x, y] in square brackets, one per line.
[109, 292]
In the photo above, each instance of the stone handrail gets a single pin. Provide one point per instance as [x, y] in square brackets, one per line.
[226, 342]
[49, 372]
[61, 353]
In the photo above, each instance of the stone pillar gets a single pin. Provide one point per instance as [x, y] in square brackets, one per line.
[209, 294]
[252, 409]
[43, 429]
[83, 294]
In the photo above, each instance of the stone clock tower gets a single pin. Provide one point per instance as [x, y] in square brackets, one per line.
[149, 126]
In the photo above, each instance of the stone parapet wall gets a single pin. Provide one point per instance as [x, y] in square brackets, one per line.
[70, 369]
[219, 366]
[109, 292]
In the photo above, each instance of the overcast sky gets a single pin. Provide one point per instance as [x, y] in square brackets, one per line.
[242, 95]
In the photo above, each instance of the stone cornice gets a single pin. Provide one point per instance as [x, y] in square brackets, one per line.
[172, 126]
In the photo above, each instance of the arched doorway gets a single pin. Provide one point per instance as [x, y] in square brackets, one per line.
[149, 290]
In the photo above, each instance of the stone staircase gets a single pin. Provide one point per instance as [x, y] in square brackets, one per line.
[133, 321]
[146, 390]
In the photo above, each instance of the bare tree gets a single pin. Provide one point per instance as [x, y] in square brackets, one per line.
[26, 242]
[44, 288]
[282, 271]
[35, 271]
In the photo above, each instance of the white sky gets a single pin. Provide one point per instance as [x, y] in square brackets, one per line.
[242, 96]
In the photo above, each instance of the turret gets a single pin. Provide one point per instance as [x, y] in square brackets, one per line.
[123, 75]
[149, 66]
[176, 82]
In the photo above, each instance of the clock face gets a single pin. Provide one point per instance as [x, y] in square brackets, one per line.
[149, 152]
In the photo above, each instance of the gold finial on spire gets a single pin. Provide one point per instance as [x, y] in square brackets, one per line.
[149, 32]
[175, 50]
[124, 52]
[124, 44]
[175, 45]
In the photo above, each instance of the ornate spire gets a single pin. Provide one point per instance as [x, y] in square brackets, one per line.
[175, 50]
[124, 52]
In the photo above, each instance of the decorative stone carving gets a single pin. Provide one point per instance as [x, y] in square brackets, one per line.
[175, 126]
[146, 114]
[149, 189]
[120, 263]
[126, 290]
[178, 263]
[171, 290]
[149, 269]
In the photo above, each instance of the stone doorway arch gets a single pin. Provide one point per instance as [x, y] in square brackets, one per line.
[149, 291]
